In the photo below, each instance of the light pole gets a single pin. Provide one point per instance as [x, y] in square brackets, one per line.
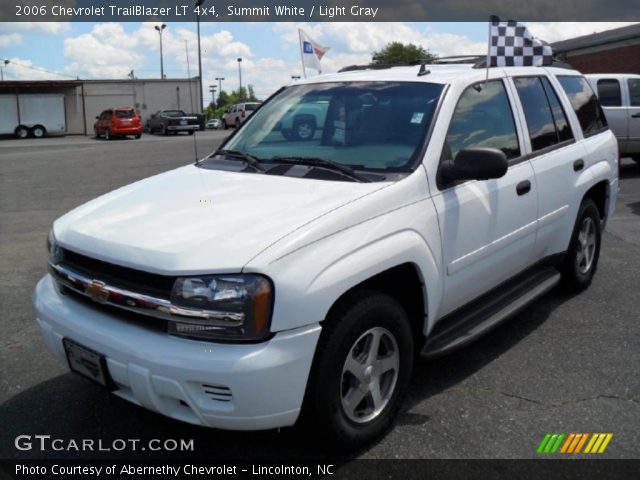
[219, 79]
[198, 3]
[240, 75]
[212, 91]
[160, 30]
[6, 62]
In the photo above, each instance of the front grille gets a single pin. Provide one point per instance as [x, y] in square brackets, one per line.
[151, 323]
[123, 277]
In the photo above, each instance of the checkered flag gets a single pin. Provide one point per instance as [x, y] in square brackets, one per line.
[511, 45]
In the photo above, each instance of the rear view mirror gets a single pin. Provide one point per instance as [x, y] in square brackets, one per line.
[475, 164]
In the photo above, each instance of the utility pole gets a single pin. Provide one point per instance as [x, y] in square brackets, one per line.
[198, 4]
[240, 74]
[212, 91]
[160, 29]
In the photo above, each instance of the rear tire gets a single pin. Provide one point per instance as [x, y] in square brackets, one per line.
[39, 131]
[138, 136]
[581, 261]
[107, 134]
[191, 132]
[224, 125]
[304, 129]
[348, 409]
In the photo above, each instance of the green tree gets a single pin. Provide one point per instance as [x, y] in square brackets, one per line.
[397, 53]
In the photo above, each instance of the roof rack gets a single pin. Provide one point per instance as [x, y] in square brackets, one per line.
[482, 63]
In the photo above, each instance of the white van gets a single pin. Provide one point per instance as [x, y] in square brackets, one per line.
[620, 99]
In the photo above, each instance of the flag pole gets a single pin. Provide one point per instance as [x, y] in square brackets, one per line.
[304, 71]
[486, 80]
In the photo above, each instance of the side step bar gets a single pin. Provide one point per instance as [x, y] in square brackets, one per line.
[481, 316]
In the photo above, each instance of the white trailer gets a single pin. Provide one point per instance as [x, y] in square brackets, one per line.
[32, 114]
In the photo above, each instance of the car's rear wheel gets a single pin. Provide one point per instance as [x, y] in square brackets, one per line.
[361, 370]
[96, 134]
[191, 132]
[39, 131]
[581, 261]
[224, 125]
[107, 134]
[138, 136]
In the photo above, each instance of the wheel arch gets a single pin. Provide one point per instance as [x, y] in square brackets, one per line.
[600, 194]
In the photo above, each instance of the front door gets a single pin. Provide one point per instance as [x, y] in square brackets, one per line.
[488, 228]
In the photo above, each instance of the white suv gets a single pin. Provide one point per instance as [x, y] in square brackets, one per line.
[429, 207]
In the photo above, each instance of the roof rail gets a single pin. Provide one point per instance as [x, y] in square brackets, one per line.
[555, 62]
[374, 66]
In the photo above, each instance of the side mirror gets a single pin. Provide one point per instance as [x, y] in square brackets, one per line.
[475, 164]
[97, 117]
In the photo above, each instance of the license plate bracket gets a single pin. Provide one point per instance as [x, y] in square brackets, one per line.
[88, 363]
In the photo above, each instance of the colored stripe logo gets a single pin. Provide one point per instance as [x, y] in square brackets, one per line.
[573, 443]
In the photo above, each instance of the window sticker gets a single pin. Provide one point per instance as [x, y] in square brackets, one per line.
[417, 117]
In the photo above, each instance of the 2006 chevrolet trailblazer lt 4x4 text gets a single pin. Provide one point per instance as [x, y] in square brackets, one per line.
[283, 278]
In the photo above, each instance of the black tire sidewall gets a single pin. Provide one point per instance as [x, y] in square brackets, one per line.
[573, 279]
[358, 315]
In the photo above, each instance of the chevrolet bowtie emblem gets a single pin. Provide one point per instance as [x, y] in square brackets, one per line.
[97, 291]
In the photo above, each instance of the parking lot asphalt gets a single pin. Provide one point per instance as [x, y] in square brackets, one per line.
[565, 364]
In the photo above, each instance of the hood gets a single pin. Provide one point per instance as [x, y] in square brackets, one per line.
[194, 220]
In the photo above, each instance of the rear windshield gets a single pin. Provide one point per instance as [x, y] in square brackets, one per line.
[251, 106]
[174, 113]
[364, 125]
[125, 113]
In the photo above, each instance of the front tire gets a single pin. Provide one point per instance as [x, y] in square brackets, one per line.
[581, 261]
[107, 134]
[361, 370]
[163, 130]
[21, 132]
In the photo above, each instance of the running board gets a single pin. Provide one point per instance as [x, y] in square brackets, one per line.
[481, 316]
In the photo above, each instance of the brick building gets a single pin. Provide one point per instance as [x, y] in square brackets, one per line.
[612, 51]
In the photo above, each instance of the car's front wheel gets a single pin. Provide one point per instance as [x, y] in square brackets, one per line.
[107, 134]
[361, 370]
[582, 256]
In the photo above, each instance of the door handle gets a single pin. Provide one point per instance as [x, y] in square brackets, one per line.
[635, 115]
[578, 165]
[523, 187]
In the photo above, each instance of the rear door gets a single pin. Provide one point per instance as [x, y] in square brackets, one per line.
[556, 159]
[633, 87]
[488, 227]
[611, 94]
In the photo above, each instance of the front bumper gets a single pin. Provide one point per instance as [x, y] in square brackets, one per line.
[255, 387]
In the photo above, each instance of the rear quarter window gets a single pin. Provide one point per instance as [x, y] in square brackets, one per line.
[634, 92]
[584, 103]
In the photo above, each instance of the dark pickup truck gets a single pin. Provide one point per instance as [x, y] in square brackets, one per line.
[173, 121]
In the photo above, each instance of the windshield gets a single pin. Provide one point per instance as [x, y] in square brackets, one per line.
[364, 125]
[174, 113]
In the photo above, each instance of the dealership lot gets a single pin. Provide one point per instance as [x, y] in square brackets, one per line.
[565, 364]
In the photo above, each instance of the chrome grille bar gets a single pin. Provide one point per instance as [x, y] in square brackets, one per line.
[161, 308]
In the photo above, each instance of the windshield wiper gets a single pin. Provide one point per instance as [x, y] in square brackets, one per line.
[249, 159]
[323, 163]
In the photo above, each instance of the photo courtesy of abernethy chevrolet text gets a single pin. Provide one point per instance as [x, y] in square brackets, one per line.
[385, 239]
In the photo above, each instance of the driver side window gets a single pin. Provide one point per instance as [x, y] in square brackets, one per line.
[482, 119]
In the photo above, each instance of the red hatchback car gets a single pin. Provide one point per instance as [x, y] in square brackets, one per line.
[118, 122]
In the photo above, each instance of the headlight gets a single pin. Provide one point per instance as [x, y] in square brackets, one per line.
[222, 307]
[55, 252]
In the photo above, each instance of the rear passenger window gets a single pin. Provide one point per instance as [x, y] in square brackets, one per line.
[585, 103]
[634, 91]
[542, 129]
[559, 116]
[609, 92]
[482, 118]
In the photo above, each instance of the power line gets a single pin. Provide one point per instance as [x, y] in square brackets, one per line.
[37, 69]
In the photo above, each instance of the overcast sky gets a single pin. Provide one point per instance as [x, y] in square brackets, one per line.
[269, 50]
